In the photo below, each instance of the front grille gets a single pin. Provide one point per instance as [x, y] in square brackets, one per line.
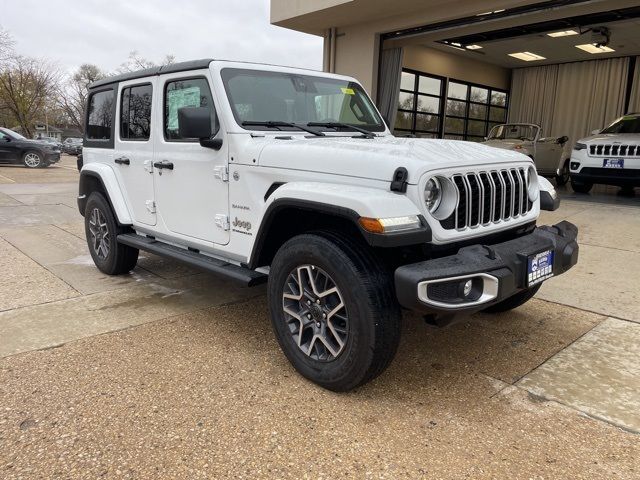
[602, 150]
[489, 197]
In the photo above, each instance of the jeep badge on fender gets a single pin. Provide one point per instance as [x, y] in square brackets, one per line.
[347, 223]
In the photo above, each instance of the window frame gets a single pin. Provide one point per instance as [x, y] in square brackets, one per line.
[164, 108]
[97, 142]
[414, 108]
[129, 87]
[488, 123]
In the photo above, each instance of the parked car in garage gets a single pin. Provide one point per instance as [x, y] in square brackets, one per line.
[16, 149]
[609, 157]
[548, 153]
[72, 146]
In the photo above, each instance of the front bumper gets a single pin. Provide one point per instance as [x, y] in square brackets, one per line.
[497, 271]
[623, 177]
[52, 157]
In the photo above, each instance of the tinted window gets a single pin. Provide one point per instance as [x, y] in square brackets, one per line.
[186, 93]
[100, 115]
[135, 113]
[628, 124]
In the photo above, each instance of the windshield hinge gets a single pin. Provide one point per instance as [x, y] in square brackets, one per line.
[222, 173]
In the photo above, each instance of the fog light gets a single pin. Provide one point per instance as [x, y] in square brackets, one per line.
[575, 165]
[466, 288]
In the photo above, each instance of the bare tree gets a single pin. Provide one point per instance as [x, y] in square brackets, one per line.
[26, 84]
[137, 62]
[73, 94]
[6, 45]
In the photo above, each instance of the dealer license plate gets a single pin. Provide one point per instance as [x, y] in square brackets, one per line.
[539, 267]
[613, 163]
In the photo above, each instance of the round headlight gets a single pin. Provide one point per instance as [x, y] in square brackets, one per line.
[533, 188]
[432, 194]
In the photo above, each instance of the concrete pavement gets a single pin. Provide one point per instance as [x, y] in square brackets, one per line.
[170, 373]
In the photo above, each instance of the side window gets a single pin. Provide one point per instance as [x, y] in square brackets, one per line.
[193, 92]
[135, 113]
[100, 115]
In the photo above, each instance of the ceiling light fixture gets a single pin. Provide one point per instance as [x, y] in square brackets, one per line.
[565, 33]
[527, 56]
[593, 48]
[474, 47]
[490, 13]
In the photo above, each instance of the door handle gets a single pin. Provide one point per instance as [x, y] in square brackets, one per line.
[163, 164]
[122, 161]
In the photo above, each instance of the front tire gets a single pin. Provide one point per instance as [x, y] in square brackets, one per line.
[102, 230]
[514, 301]
[333, 310]
[581, 187]
[564, 176]
[33, 159]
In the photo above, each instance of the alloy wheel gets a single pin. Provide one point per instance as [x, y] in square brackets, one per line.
[32, 160]
[315, 313]
[100, 236]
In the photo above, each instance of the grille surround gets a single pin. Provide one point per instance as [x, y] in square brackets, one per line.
[619, 150]
[489, 197]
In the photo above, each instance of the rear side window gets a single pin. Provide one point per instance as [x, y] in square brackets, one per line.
[100, 115]
[135, 113]
[193, 92]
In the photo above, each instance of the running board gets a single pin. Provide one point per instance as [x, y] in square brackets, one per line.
[195, 259]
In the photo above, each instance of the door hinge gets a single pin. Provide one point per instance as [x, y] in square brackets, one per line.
[151, 206]
[222, 173]
[222, 221]
[148, 166]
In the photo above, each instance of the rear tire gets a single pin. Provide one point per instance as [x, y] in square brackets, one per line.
[102, 230]
[581, 187]
[514, 301]
[564, 176]
[339, 348]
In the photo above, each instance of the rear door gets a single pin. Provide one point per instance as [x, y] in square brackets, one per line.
[134, 143]
[193, 194]
[8, 151]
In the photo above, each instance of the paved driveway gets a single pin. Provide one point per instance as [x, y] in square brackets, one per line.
[171, 373]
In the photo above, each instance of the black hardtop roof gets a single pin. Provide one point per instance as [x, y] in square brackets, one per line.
[149, 72]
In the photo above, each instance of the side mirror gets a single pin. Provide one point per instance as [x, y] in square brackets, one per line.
[562, 140]
[195, 122]
[595, 132]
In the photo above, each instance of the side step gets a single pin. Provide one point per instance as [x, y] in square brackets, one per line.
[220, 267]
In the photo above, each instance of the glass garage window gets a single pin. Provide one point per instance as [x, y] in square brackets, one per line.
[420, 109]
[472, 110]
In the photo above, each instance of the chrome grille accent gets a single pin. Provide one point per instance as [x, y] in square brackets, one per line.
[489, 197]
[617, 150]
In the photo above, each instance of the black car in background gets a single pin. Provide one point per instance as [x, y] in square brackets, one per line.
[16, 149]
[72, 146]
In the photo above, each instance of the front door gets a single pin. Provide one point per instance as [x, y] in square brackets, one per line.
[8, 150]
[134, 146]
[192, 192]
[548, 153]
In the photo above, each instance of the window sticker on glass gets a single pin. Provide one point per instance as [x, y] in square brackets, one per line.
[176, 99]
[348, 91]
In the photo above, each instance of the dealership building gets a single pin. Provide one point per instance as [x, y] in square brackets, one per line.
[455, 68]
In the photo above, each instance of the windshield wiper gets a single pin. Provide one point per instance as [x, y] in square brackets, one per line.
[338, 125]
[277, 124]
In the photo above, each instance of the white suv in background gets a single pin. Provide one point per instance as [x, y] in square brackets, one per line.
[609, 157]
[262, 173]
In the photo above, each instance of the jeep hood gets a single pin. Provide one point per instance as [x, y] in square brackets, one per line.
[508, 143]
[611, 138]
[379, 157]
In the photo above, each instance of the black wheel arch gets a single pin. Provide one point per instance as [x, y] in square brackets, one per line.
[92, 182]
[286, 218]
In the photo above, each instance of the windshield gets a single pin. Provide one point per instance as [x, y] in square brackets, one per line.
[261, 96]
[626, 124]
[513, 132]
[12, 134]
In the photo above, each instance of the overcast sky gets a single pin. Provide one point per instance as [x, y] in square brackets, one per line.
[73, 32]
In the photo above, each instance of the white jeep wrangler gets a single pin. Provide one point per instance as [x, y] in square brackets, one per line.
[264, 173]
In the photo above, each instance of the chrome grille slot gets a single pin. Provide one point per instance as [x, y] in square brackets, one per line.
[617, 150]
[488, 197]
